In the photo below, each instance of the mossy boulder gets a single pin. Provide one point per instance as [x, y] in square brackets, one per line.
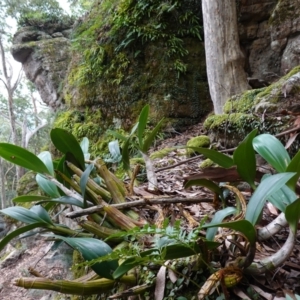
[162, 63]
[198, 141]
[206, 163]
[268, 109]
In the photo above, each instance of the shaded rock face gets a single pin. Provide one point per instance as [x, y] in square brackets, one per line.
[45, 56]
[270, 37]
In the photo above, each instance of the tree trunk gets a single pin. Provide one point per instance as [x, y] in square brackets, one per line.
[3, 186]
[224, 58]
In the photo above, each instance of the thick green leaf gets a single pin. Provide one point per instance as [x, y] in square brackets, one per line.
[61, 167]
[127, 265]
[282, 198]
[41, 213]
[179, 250]
[32, 198]
[294, 166]
[117, 135]
[150, 138]
[266, 188]
[219, 216]
[91, 249]
[63, 200]
[134, 128]
[22, 157]
[292, 214]
[244, 158]
[17, 232]
[206, 183]
[85, 147]
[23, 215]
[46, 158]
[243, 226]
[83, 181]
[47, 186]
[143, 118]
[114, 151]
[67, 143]
[271, 149]
[219, 158]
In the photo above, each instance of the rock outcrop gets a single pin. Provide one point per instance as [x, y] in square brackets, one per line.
[45, 55]
[269, 36]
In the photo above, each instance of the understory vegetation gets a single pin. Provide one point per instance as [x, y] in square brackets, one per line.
[129, 254]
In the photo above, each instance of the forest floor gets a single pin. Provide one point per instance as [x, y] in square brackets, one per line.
[273, 285]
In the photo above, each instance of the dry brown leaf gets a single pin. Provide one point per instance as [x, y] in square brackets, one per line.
[272, 209]
[219, 174]
[160, 283]
[291, 141]
[172, 275]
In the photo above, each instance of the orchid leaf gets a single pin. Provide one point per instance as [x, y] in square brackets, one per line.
[91, 249]
[244, 159]
[143, 118]
[206, 183]
[23, 215]
[30, 198]
[217, 219]
[65, 142]
[46, 158]
[294, 166]
[219, 158]
[150, 138]
[23, 158]
[271, 149]
[18, 232]
[266, 188]
[84, 144]
[83, 181]
[242, 226]
[42, 213]
[64, 200]
[292, 214]
[47, 186]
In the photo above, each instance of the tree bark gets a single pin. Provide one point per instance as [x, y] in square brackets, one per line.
[3, 185]
[224, 58]
[10, 89]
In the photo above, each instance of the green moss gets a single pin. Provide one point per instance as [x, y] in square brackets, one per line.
[137, 160]
[230, 129]
[242, 103]
[78, 269]
[162, 153]
[206, 163]
[198, 141]
[27, 186]
[121, 66]
[84, 123]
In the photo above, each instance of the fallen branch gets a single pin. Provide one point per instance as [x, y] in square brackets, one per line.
[143, 202]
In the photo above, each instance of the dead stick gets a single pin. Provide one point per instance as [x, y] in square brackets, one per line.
[143, 202]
